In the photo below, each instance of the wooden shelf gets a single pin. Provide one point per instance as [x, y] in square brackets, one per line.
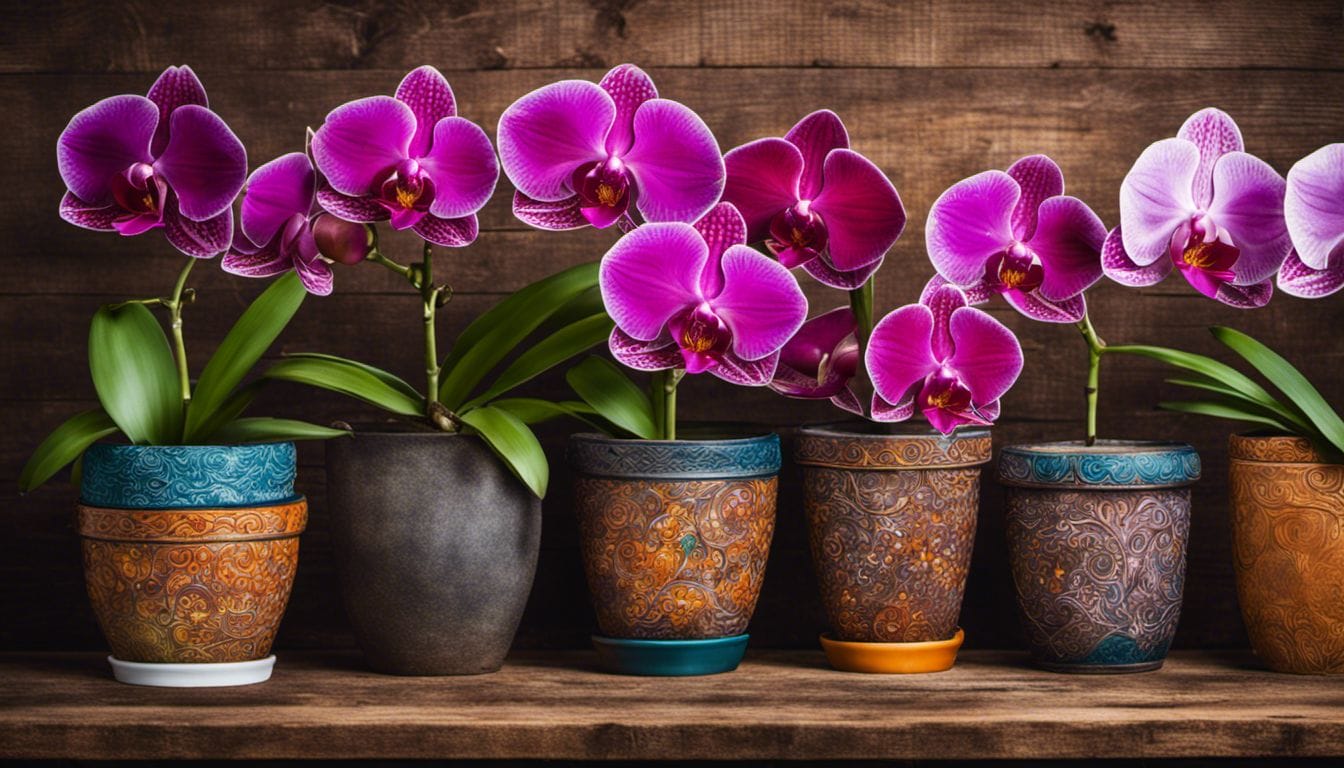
[779, 705]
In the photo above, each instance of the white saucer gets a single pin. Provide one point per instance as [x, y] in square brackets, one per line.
[193, 675]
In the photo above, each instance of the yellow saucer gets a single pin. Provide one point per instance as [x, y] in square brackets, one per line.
[893, 658]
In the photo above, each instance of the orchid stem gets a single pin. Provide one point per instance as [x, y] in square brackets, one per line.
[664, 391]
[861, 304]
[174, 305]
[429, 296]
[1095, 349]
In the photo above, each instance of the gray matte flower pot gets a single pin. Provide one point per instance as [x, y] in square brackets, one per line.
[436, 545]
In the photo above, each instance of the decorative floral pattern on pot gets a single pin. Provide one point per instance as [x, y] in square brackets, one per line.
[1288, 548]
[191, 585]
[892, 523]
[161, 476]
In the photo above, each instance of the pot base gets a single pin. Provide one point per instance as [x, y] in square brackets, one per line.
[1099, 669]
[192, 675]
[893, 658]
[670, 658]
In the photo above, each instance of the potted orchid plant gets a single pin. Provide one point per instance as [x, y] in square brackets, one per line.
[189, 521]
[436, 516]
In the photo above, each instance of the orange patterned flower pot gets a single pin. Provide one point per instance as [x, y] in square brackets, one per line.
[1288, 550]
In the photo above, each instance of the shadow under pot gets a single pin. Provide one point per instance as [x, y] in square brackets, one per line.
[675, 536]
[891, 520]
[189, 556]
[1288, 550]
[436, 547]
[1096, 542]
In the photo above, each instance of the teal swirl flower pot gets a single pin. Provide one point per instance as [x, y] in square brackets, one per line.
[1096, 542]
[675, 537]
[189, 555]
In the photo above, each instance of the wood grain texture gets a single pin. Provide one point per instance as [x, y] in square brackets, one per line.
[778, 705]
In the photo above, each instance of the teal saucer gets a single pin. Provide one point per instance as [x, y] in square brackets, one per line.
[670, 658]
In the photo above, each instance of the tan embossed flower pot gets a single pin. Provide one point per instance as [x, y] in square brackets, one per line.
[1288, 550]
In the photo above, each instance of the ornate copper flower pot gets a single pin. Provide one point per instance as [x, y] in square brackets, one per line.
[1096, 542]
[1288, 550]
[892, 520]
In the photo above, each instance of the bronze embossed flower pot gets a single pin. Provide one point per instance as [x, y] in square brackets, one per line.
[892, 516]
[1096, 543]
[675, 536]
[190, 554]
[1288, 550]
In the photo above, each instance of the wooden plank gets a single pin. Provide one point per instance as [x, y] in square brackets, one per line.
[140, 35]
[777, 706]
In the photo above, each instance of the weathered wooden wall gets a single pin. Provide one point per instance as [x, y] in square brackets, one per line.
[931, 91]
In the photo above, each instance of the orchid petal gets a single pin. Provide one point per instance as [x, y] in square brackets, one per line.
[817, 338]
[361, 142]
[547, 134]
[266, 261]
[815, 136]
[555, 216]
[762, 180]
[274, 193]
[176, 87]
[989, 412]
[988, 357]
[1117, 265]
[1037, 307]
[81, 214]
[362, 210]
[946, 421]
[899, 353]
[1299, 279]
[1248, 204]
[1156, 198]
[1314, 207]
[629, 87]
[462, 164]
[862, 211]
[1245, 296]
[846, 400]
[760, 302]
[657, 355]
[970, 222]
[979, 293]
[450, 233]
[824, 272]
[315, 275]
[201, 239]
[721, 227]
[651, 274]
[1039, 179]
[792, 382]
[1068, 240]
[1215, 133]
[204, 162]
[883, 410]
[426, 91]
[675, 162]
[102, 141]
[746, 373]
[943, 302]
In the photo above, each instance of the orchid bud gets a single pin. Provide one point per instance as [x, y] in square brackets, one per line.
[343, 241]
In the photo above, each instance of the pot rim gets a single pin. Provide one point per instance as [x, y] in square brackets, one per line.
[597, 455]
[1129, 464]
[1283, 450]
[293, 524]
[909, 448]
[125, 475]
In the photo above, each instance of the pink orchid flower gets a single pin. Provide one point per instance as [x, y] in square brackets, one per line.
[581, 153]
[815, 202]
[695, 297]
[132, 164]
[1017, 234]
[819, 361]
[284, 229]
[949, 360]
[408, 159]
[1314, 212]
[1201, 205]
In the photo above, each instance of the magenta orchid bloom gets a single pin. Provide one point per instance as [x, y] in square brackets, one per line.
[1017, 234]
[1200, 204]
[815, 202]
[819, 361]
[580, 154]
[163, 161]
[696, 297]
[1314, 211]
[949, 360]
[408, 159]
[283, 229]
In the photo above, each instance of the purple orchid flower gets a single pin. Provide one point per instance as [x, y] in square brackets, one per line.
[696, 297]
[580, 154]
[408, 159]
[1200, 204]
[284, 229]
[951, 361]
[1314, 211]
[163, 161]
[1017, 234]
[816, 203]
[819, 361]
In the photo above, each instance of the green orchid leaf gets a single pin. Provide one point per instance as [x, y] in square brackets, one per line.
[532, 410]
[1224, 410]
[229, 410]
[1207, 367]
[390, 379]
[548, 353]
[514, 443]
[246, 342]
[267, 430]
[586, 304]
[604, 387]
[354, 380]
[65, 444]
[1277, 411]
[134, 374]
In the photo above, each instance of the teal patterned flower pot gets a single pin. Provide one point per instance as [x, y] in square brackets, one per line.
[1096, 540]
